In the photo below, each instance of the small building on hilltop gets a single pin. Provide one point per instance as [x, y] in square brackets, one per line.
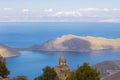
[62, 70]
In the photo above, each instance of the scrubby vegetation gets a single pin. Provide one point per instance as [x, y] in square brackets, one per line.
[4, 72]
[48, 74]
[84, 72]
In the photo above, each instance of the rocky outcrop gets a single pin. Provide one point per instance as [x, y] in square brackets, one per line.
[6, 51]
[109, 70]
[62, 69]
[78, 44]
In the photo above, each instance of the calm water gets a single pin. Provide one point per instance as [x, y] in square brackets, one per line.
[31, 63]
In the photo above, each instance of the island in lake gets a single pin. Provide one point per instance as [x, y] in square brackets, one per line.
[75, 43]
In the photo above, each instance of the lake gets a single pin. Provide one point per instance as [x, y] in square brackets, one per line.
[30, 63]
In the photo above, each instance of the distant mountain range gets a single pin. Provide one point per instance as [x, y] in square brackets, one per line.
[6, 51]
[78, 44]
[109, 70]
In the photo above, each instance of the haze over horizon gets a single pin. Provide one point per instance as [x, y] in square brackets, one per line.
[59, 11]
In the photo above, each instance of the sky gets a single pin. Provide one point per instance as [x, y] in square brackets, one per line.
[63, 4]
[60, 10]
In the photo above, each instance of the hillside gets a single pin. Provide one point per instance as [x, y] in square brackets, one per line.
[78, 44]
[115, 76]
[109, 70]
[6, 51]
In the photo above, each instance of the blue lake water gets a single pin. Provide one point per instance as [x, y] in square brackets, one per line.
[30, 63]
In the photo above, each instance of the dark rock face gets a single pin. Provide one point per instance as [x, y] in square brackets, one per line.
[76, 44]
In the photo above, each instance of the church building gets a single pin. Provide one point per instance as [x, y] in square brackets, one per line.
[62, 69]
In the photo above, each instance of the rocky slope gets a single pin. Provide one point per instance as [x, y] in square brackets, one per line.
[6, 51]
[115, 76]
[109, 70]
[78, 44]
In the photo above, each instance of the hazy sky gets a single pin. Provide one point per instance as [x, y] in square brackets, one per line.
[60, 10]
[60, 4]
